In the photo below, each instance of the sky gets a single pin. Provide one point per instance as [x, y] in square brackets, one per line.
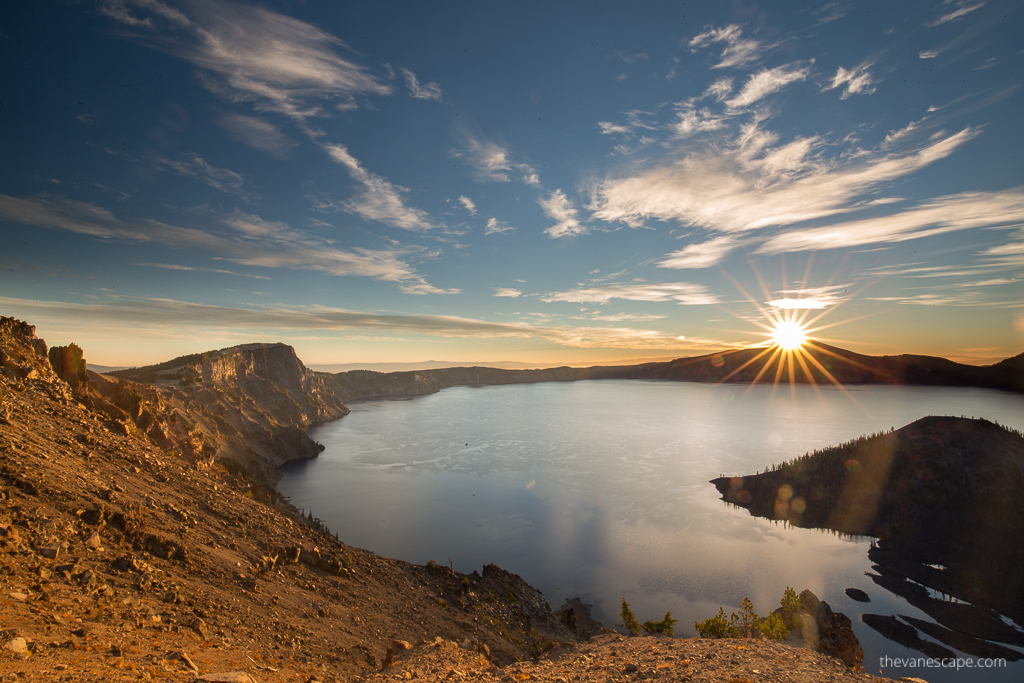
[543, 182]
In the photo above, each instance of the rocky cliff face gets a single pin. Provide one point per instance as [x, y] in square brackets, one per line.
[247, 406]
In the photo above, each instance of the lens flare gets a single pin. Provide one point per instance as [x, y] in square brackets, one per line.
[789, 335]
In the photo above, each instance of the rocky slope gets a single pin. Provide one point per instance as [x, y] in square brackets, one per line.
[122, 561]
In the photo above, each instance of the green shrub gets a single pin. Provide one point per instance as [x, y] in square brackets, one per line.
[717, 626]
[745, 623]
[629, 621]
[663, 627]
[790, 600]
[773, 627]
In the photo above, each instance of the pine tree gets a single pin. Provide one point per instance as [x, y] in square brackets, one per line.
[629, 621]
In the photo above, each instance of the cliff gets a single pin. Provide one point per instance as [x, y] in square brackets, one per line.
[246, 407]
[249, 404]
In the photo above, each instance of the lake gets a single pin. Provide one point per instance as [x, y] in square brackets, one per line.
[601, 489]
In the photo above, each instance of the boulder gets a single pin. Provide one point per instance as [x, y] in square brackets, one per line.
[17, 645]
[227, 677]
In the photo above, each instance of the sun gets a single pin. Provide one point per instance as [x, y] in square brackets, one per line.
[789, 335]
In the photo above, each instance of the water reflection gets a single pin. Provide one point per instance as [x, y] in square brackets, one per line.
[620, 504]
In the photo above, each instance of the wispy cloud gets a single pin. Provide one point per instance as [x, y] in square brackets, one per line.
[468, 203]
[1010, 254]
[738, 51]
[755, 184]
[493, 162]
[496, 226]
[198, 269]
[636, 122]
[167, 314]
[810, 297]
[626, 317]
[249, 241]
[629, 59]
[702, 254]
[927, 299]
[252, 54]
[830, 12]
[690, 121]
[428, 91]
[562, 209]
[508, 292]
[765, 82]
[423, 288]
[855, 81]
[720, 89]
[685, 293]
[378, 199]
[195, 166]
[258, 133]
[674, 69]
[945, 214]
[963, 8]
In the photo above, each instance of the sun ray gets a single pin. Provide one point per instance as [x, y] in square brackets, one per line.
[749, 362]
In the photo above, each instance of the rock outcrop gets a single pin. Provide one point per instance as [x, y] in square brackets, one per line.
[824, 630]
[246, 407]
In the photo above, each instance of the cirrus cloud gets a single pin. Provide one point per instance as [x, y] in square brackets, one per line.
[162, 315]
[685, 293]
[251, 54]
[249, 241]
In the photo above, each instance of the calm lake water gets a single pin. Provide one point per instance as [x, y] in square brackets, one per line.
[601, 489]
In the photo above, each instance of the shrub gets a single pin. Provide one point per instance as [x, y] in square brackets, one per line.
[717, 626]
[663, 627]
[746, 623]
[629, 621]
[790, 600]
[773, 627]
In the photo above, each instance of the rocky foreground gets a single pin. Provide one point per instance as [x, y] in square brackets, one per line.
[124, 556]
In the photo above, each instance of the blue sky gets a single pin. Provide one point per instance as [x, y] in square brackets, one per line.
[567, 182]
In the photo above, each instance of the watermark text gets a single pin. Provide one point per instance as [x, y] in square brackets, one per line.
[887, 662]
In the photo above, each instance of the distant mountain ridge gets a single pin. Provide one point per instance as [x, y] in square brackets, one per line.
[738, 366]
[845, 367]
